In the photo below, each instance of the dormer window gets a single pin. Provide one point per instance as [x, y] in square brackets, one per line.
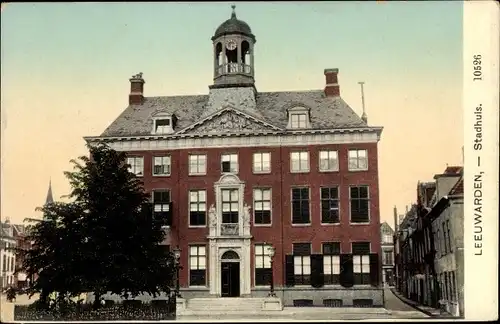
[299, 118]
[163, 126]
[163, 123]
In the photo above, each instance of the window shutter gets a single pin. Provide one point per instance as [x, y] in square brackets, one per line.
[374, 269]
[289, 271]
[346, 277]
[317, 272]
[168, 216]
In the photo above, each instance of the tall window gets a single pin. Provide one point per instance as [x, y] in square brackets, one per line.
[136, 165]
[387, 257]
[300, 206]
[361, 262]
[197, 164]
[359, 204]
[197, 265]
[453, 286]
[302, 263]
[4, 263]
[331, 262]
[161, 202]
[229, 163]
[448, 234]
[438, 246]
[330, 205]
[445, 239]
[161, 165]
[261, 162]
[262, 265]
[262, 205]
[328, 161]
[197, 207]
[230, 206]
[298, 120]
[299, 161]
[358, 160]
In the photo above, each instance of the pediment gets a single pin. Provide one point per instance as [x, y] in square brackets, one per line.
[229, 121]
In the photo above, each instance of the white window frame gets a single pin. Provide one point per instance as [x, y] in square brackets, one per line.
[198, 202]
[331, 265]
[300, 155]
[168, 165]
[369, 208]
[305, 267]
[328, 154]
[291, 206]
[354, 155]
[361, 266]
[321, 204]
[196, 158]
[264, 257]
[232, 158]
[162, 206]
[134, 166]
[262, 189]
[258, 159]
[196, 265]
[163, 129]
[299, 118]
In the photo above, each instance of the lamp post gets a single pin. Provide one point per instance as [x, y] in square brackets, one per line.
[271, 251]
[177, 255]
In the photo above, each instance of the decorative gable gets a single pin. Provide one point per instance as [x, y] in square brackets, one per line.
[229, 121]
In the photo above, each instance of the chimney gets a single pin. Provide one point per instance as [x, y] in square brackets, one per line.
[136, 96]
[396, 224]
[332, 85]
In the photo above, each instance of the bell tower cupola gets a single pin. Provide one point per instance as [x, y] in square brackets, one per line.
[233, 48]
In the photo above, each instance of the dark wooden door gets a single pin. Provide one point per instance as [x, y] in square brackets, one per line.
[230, 279]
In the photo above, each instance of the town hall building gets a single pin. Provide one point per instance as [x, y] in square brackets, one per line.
[259, 188]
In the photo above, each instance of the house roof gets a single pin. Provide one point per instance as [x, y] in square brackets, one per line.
[326, 113]
[453, 170]
[458, 188]
[386, 228]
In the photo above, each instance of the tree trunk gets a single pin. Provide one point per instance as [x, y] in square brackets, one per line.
[97, 300]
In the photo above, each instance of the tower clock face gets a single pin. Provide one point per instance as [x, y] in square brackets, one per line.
[231, 45]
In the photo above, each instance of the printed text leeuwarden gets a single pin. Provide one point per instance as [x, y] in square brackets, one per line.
[478, 213]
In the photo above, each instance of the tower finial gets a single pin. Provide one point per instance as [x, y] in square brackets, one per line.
[233, 14]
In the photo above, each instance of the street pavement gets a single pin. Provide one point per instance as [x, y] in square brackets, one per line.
[394, 309]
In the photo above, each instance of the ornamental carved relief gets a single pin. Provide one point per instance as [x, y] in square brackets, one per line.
[229, 122]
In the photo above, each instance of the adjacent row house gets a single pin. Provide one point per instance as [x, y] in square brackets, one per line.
[242, 177]
[429, 244]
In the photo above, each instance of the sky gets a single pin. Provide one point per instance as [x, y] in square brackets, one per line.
[65, 70]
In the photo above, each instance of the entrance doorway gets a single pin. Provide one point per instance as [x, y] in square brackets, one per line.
[230, 274]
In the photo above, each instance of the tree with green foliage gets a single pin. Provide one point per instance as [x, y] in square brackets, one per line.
[105, 240]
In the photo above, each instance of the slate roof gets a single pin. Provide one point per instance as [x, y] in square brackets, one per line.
[326, 112]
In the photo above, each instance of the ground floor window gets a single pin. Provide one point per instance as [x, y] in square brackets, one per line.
[262, 265]
[302, 263]
[197, 265]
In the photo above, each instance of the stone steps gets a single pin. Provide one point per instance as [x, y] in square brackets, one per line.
[229, 306]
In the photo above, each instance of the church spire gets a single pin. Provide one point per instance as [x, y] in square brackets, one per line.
[49, 199]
